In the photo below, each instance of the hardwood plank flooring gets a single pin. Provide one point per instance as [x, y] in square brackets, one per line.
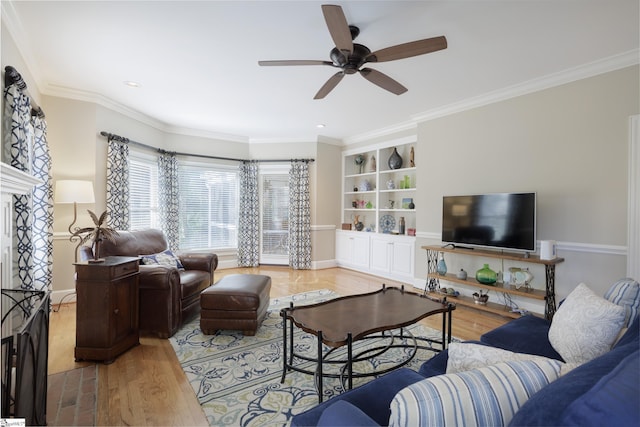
[146, 385]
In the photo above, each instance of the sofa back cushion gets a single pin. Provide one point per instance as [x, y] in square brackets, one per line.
[135, 243]
[488, 396]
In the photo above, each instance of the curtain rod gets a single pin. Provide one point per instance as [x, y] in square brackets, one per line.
[124, 140]
[12, 76]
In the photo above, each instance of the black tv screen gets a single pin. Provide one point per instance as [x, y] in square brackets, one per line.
[499, 220]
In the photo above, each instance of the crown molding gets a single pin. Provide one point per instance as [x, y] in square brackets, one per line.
[605, 65]
[389, 130]
[592, 69]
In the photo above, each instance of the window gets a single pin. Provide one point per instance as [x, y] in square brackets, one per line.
[143, 192]
[208, 205]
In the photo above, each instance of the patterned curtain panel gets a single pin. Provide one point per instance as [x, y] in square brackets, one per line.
[168, 197]
[118, 185]
[42, 204]
[26, 147]
[19, 144]
[249, 221]
[299, 216]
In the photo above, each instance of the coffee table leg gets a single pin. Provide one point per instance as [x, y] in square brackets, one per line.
[284, 346]
[350, 359]
[319, 370]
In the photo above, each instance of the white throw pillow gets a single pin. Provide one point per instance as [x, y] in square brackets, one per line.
[468, 356]
[488, 396]
[585, 326]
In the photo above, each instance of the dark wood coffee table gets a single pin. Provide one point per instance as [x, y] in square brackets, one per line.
[341, 321]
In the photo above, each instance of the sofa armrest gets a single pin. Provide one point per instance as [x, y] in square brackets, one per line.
[203, 261]
[158, 277]
[372, 398]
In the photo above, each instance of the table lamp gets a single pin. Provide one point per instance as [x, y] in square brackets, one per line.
[74, 191]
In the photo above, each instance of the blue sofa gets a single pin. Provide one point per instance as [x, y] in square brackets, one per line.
[603, 391]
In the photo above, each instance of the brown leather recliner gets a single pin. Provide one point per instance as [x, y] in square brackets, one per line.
[168, 296]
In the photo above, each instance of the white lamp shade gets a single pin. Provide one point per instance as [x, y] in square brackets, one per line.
[70, 191]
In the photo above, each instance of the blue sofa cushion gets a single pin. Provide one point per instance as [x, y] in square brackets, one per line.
[527, 334]
[545, 407]
[613, 400]
[373, 398]
[344, 414]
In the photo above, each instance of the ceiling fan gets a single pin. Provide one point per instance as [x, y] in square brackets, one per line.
[349, 57]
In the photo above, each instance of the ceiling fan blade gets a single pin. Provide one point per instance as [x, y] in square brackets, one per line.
[338, 27]
[382, 80]
[407, 50]
[293, 62]
[329, 85]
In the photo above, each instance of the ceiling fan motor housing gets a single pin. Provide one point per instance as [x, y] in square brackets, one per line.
[352, 63]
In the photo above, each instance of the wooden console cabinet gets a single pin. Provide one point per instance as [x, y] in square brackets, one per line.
[107, 308]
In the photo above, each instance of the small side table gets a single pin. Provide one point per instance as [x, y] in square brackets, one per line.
[107, 308]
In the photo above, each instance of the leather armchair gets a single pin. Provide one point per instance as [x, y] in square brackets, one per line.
[168, 296]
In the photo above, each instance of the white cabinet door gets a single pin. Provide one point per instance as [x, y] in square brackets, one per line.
[381, 252]
[360, 250]
[352, 249]
[392, 256]
[402, 258]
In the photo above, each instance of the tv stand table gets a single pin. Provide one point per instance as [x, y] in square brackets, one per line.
[342, 321]
[548, 294]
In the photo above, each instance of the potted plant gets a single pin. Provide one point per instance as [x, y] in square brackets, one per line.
[96, 234]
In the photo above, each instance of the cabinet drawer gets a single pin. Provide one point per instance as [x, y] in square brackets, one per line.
[124, 269]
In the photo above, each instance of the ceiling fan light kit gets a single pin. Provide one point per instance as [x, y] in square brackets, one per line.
[350, 57]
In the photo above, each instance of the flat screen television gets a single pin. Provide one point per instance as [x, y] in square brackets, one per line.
[497, 220]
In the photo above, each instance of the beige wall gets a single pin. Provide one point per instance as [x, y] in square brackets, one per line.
[569, 144]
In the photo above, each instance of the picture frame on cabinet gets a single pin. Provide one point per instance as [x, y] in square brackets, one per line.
[406, 202]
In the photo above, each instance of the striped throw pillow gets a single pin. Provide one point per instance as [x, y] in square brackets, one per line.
[488, 396]
[626, 293]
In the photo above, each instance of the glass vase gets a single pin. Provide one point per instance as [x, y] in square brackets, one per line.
[486, 275]
[395, 161]
[441, 267]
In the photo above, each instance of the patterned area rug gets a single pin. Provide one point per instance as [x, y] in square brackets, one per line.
[237, 378]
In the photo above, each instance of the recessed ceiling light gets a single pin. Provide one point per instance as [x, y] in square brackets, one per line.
[131, 83]
[320, 126]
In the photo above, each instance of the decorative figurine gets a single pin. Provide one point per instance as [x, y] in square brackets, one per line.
[373, 163]
[412, 163]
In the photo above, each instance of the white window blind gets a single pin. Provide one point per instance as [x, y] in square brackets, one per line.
[208, 205]
[143, 192]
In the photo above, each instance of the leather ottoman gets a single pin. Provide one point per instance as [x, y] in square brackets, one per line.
[236, 302]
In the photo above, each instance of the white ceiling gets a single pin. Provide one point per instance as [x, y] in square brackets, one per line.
[197, 62]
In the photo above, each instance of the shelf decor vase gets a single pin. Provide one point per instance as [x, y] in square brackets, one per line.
[395, 161]
[441, 267]
[486, 275]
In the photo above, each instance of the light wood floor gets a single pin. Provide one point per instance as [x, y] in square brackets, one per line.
[146, 385]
